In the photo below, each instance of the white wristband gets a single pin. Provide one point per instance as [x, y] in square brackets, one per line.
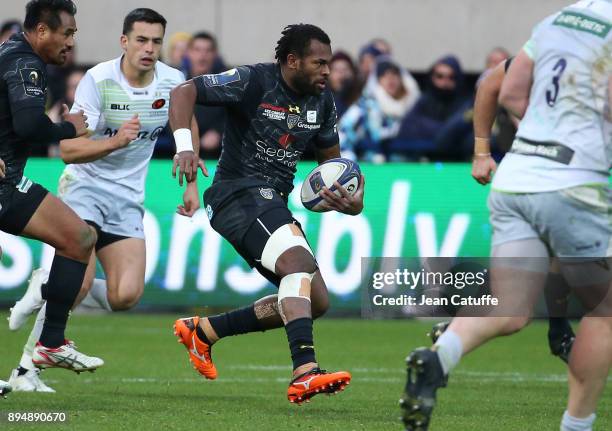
[182, 138]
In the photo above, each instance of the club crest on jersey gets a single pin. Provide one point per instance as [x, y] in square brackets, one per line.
[158, 104]
[266, 193]
[292, 120]
[209, 212]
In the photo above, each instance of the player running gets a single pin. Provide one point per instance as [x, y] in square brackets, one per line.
[126, 101]
[26, 208]
[560, 333]
[275, 111]
[550, 197]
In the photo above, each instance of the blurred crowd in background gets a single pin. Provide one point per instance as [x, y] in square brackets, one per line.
[385, 112]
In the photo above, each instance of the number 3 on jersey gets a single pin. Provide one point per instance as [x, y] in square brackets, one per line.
[551, 95]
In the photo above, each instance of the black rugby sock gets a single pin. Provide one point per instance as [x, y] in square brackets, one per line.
[65, 280]
[235, 322]
[301, 344]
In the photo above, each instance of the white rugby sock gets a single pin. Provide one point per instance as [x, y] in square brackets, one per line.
[97, 296]
[28, 348]
[570, 423]
[449, 350]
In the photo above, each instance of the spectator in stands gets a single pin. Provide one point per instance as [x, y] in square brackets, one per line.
[438, 124]
[177, 51]
[343, 81]
[367, 60]
[382, 45]
[494, 57]
[374, 120]
[203, 58]
[9, 28]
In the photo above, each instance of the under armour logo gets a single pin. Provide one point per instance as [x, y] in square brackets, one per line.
[295, 109]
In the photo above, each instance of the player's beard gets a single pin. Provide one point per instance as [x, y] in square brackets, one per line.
[303, 84]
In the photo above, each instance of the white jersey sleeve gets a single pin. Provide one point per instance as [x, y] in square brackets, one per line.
[87, 98]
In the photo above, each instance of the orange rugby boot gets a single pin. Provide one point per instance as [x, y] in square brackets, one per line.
[200, 354]
[316, 381]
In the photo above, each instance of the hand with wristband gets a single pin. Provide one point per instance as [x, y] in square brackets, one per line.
[186, 159]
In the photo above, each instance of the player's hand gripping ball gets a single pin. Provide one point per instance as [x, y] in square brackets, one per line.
[344, 171]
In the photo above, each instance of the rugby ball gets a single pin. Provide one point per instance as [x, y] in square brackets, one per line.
[345, 171]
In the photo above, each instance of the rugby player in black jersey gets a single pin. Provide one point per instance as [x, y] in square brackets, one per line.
[274, 112]
[26, 208]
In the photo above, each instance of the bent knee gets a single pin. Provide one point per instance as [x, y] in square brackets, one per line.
[80, 245]
[123, 300]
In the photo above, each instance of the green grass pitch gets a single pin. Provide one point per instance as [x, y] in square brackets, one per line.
[147, 383]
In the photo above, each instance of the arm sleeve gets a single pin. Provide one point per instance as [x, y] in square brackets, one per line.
[88, 98]
[223, 88]
[32, 125]
[328, 135]
[25, 78]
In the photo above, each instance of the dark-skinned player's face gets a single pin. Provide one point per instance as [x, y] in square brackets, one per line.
[57, 44]
[312, 70]
[142, 45]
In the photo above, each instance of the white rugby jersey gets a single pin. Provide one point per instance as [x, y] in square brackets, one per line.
[564, 139]
[108, 101]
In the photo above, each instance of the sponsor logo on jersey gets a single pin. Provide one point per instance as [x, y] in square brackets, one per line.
[292, 120]
[311, 116]
[224, 78]
[119, 107]
[159, 103]
[549, 150]
[32, 82]
[294, 109]
[266, 193]
[273, 112]
[303, 125]
[281, 155]
[144, 134]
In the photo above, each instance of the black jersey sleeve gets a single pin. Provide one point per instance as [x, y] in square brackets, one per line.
[223, 88]
[328, 135]
[25, 78]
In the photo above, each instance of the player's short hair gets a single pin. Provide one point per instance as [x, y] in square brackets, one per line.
[296, 39]
[142, 14]
[205, 36]
[48, 12]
